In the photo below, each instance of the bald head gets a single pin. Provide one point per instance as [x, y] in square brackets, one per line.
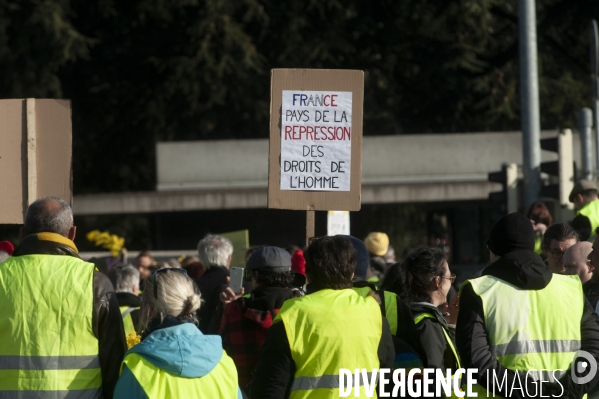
[576, 261]
[49, 214]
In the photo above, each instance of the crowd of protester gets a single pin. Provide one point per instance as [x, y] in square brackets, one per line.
[176, 329]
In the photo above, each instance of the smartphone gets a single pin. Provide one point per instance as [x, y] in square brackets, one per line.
[236, 279]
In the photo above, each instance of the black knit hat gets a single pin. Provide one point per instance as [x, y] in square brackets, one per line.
[362, 256]
[511, 233]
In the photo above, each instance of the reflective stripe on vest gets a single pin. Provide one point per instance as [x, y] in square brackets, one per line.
[326, 381]
[522, 347]
[81, 394]
[591, 211]
[127, 319]
[320, 328]
[221, 382]
[390, 306]
[50, 298]
[530, 329]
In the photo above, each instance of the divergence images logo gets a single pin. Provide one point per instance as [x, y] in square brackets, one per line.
[587, 365]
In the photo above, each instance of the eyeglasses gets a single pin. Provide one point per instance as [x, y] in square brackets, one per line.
[452, 277]
[164, 270]
[557, 254]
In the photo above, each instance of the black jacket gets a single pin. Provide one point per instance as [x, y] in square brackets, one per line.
[526, 270]
[437, 353]
[133, 301]
[106, 317]
[274, 373]
[211, 284]
[582, 225]
[591, 291]
[406, 330]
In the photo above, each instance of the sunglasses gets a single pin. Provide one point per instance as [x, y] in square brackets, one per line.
[161, 271]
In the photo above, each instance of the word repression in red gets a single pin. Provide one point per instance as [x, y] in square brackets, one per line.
[331, 133]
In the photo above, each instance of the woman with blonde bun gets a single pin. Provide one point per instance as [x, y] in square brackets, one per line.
[174, 359]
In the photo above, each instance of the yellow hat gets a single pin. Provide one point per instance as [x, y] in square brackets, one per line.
[377, 243]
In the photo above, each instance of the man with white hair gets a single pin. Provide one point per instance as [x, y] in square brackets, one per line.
[215, 254]
[127, 289]
[58, 316]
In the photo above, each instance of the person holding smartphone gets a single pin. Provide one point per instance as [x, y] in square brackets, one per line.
[247, 318]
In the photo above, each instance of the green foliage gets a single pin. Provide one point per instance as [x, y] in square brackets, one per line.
[142, 71]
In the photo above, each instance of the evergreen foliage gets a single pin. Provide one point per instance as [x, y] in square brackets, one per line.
[141, 71]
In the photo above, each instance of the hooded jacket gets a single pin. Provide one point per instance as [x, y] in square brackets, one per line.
[526, 270]
[176, 347]
[107, 322]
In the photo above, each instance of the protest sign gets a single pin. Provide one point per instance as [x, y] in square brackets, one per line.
[315, 156]
[241, 242]
[316, 142]
[35, 154]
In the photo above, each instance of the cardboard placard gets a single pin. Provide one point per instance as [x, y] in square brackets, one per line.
[35, 154]
[241, 242]
[315, 155]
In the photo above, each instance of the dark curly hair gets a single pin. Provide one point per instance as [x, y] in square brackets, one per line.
[272, 279]
[421, 267]
[394, 280]
[330, 263]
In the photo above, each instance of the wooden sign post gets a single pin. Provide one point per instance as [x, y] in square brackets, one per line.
[35, 154]
[315, 156]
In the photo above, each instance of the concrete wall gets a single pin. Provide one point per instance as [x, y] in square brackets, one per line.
[233, 174]
[386, 159]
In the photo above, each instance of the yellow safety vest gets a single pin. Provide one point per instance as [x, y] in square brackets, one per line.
[390, 302]
[539, 246]
[449, 342]
[530, 329]
[221, 382]
[591, 211]
[47, 344]
[127, 319]
[329, 330]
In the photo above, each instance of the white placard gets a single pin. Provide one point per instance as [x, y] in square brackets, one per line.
[316, 140]
[338, 223]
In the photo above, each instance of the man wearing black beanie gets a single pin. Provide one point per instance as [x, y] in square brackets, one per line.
[519, 316]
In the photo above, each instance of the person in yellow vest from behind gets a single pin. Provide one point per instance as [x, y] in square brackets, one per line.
[521, 325]
[331, 328]
[58, 315]
[127, 287]
[408, 350]
[585, 198]
[174, 359]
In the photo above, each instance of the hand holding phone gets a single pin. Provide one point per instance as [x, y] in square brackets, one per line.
[236, 281]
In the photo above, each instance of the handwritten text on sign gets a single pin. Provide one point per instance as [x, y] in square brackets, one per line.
[316, 140]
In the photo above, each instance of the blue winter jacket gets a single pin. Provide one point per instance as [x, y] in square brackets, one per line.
[180, 350]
